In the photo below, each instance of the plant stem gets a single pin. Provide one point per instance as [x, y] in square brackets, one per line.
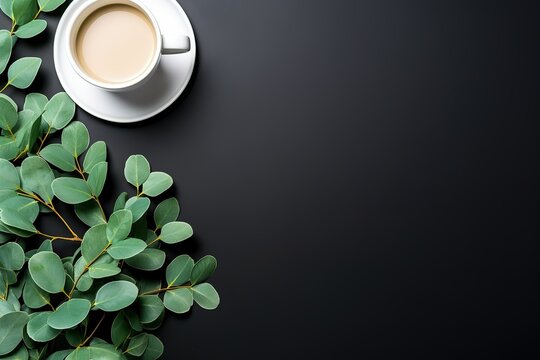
[43, 140]
[13, 24]
[93, 331]
[157, 291]
[153, 241]
[5, 86]
[79, 169]
[86, 267]
[76, 239]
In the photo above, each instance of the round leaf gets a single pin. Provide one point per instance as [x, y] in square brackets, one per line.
[203, 269]
[116, 295]
[150, 308]
[75, 138]
[97, 177]
[11, 331]
[37, 177]
[23, 11]
[206, 296]
[127, 248]
[96, 153]
[166, 212]
[157, 183]
[175, 232]
[179, 270]
[9, 176]
[31, 29]
[33, 296]
[94, 243]
[148, 260]
[89, 213]
[154, 350]
[119, 225]
[35, 102]
[69, 314]
[179, 300]
[47, 271]
[137, 345]
[15, 221]
[8, 115]
[120, 329]
[59, 111]
[138, 207]
[11, 256]
[22, 72]
[137, 170]
[71, 190]
[95, 353]
[58, 156]
[26, 207]
[104, 267]
[50, 5]
[20, 353]
[5, 49]
[39, 330]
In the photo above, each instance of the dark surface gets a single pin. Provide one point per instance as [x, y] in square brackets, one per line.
[366, 173]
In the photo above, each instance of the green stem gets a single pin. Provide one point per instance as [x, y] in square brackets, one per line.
[157, 291]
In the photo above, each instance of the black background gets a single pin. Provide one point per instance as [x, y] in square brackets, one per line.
[366, 173]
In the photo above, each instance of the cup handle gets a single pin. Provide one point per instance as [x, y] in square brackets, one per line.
[175, 44]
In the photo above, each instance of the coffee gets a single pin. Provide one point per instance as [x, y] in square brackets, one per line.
[115, 43]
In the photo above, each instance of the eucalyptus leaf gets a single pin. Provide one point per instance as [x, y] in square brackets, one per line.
[22, 72]
[104, 267]
[47, 271]
[157, 183]
[8, 115]
[119, 225]
[24, 11]
[20, 353]
[6, 7]
[69, 314]
[12, 256]
[148, 260]
[35, 102]
[94, 243]
[175, 232]
[206, 296]
[138, 207]
[59, 355]
[90, 213]
[50, 5]
[71, 190]
[97, 177]
[203, 269]
[137, 170]
[137, 345]
[24, 206]
[37, 177]
[179, 270]
[38, 329]
[95, 353]
[85, 281]
[31, 29]
[125, 249]
[57, 155]
[96, 154]
[116, 295]
[166, 212]
[33, 296]
[11, 331]
[8, 148]
[9, 176]
[59, 111]
[120, 329]
[154, 350]
[178, 300]
[75, 138]
[5, 49]
[14, 220]
[150, 308]
[120, 202]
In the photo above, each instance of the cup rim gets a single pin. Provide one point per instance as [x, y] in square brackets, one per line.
[73, 29]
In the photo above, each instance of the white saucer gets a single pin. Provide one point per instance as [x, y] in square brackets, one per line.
[154, 96]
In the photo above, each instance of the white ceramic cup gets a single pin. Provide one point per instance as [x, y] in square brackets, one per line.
[165, 44]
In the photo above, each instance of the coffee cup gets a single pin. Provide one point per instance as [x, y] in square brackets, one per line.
[117, 44]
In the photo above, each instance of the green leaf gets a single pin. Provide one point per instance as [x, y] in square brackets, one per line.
[20, 353]
[71, 190]
[59, 111]
[138, 207]
[97, 178]
[24, 11]
[11, 331]
[59, 355]
[175, 232]
[50, 5]
[179, 270]
[33, 296]
[8, 115]
[5, 49]
[35, 102]
[120, 329]
[157, 183]
[178, 300]
[203, 269]
[125, 249]
[104, 267]
[120, 202]
[75, 138]
[22, 72]
[69, 314]
[119, 225]
[37, 177]
[31, 29]
[6, 7]
[26, 207]
[137, 170]
[95, 353]
[57, 155]
[94, 242]
[85, 281]
[137, 345]
[90, 213]
[9, 176]
[154, 350]
[150, 308]
[116, 295]
[206, 296]
[12, 256]
[148, 260]
[96, 154]
[8, 148]
[166, 212]
[39, 330]
[47, 271]
[13, 219]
